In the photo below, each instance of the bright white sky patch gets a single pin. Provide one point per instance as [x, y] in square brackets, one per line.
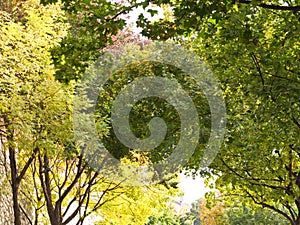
[132, 16]
[193, 189]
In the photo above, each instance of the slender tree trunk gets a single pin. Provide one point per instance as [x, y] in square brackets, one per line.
[54, 212]
[14, 185]
[297, 222]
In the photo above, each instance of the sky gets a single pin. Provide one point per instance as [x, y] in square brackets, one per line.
[132, 17]
[193, 189]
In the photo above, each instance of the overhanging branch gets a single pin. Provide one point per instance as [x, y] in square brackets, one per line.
[265, 205]
[274, 7]
[296, 121]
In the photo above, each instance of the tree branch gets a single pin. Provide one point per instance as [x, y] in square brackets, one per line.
[81, 199]
[26, 215]
[255, 60]
[80, 169]
[28, 163]
[47, 195]
[296, 121]
[265, 205]
[291, 210]
[274, 7]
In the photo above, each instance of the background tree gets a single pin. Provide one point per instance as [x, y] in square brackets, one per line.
[149, 108]
[138, 205]
[210, 214]
[93, 26]
[240, 211]
[165, 219]
[218, 210]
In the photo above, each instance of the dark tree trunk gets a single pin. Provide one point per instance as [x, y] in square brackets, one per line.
[15, 185]
[55, 215]
[297, 222]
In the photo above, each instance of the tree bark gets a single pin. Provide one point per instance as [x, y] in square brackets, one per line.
[54, 212]
[14, 184]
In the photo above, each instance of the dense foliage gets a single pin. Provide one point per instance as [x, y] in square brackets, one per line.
[252, 47]
[51, 182]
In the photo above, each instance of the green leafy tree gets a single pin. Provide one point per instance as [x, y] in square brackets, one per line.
[240, 213]
[94, 25]
[253, 48]
[149, 108]
[165, 219]
[260, 158]
[234, 210]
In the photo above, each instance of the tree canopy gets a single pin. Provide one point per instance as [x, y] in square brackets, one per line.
[253, 49]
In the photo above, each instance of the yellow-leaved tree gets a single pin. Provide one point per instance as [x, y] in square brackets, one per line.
[34, 107]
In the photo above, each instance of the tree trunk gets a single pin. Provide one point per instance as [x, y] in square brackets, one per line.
[297, 222]
[54, 212]
[55, 215]
[14, 185]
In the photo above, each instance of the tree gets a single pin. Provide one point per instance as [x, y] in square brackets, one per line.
[186, 17]
[218, 210]
[148, 108]
[47, 169]
[28, 89]
[165, 219]
[72, 191]
[240, 212]
[138, 206]
[93, 26]
[210, 214]
[260, 157]
[253, 48]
